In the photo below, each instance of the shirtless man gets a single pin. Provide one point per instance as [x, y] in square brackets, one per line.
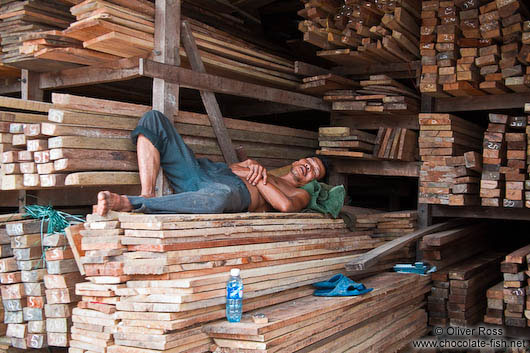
[202, 186]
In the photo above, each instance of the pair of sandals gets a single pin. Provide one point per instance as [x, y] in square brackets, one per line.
[340, 286]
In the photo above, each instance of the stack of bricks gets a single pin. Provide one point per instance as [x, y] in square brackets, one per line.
[515, 287]
[492, 182]
[60, 281]
[442, 138]
[26, 322]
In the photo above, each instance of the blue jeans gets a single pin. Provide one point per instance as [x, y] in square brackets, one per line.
[200, 185]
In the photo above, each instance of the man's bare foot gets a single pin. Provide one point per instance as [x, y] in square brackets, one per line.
[109, 201]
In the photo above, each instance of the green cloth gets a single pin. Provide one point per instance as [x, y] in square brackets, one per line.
[325, 198]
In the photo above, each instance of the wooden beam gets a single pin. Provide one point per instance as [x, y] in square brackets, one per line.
[359, 121]
[208, 97]
[258, 109]
[197, 80]
[384, 168]
[481, 212]
[489, 102]
[30, 87]
[121, 70]
[167, 44]
[372, 257]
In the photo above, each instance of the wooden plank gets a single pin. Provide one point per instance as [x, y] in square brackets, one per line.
[190, 79]
[102, 178]
[208, 98]
[371, 257]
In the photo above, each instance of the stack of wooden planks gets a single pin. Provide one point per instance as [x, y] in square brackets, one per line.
[502, 182]
[8, 269]
[62, 275]
[378, 95]
[458, 297]
[384, 320]
[447, 177]
[396, 144]
[19, 19]
[23, 291]
[388, 225]
[94, 319]
[85, 141]
[177, 267]
[362, 32]
[110, 30]
[343, 141]
[466, 42]
[495, 305]
[446, 248]
[527, 181]
[514, 269]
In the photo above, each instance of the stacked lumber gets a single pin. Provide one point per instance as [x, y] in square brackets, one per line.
[23, 292]
[458, 297]
[362, 32]
[466, 42]
[178, 266]
[22, 18]
[443, 249]
[495, 305]
[94, 319]
[437, 299]
[447, 177]
[378, 95]
[62, 275]
[85, 141]
[8, 270]
[388, 224]
[110, 30]
[343, 141]
[384, 320]
[503, 176]
[515, 287]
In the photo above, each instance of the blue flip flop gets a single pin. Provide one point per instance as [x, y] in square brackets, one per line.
[330, 283]
[345, 287]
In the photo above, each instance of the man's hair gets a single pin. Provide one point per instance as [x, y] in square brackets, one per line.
[327, 165]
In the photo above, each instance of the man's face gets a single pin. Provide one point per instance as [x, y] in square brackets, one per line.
[306, 170]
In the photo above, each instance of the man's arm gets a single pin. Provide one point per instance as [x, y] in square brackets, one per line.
[250, 170]
[279, 200]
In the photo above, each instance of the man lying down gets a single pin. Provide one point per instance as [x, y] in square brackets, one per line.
[202, 186]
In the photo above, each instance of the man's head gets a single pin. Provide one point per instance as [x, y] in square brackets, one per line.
[308, 169]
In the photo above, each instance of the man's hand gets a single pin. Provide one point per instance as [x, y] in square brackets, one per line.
[256, 172]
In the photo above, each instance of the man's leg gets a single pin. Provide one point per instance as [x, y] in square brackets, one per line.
[148, 165]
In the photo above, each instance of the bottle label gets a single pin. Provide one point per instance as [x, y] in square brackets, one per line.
[234, 291]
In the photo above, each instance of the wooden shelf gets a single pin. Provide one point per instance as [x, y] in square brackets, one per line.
[481, 212]
[489, 102]
[376, 167]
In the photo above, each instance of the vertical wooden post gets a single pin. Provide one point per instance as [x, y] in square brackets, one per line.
[167, 44]
[30, 90]
[30, 86]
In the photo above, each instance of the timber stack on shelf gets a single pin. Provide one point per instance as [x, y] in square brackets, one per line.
[74, 143]
[495, 307]
[362, 32]
[446, 177]
[19, 19]
[474, 48]
[514, 269]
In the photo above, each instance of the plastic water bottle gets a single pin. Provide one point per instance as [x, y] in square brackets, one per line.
[234, 296]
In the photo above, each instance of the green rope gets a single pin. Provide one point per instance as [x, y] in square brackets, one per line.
[56, 221]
